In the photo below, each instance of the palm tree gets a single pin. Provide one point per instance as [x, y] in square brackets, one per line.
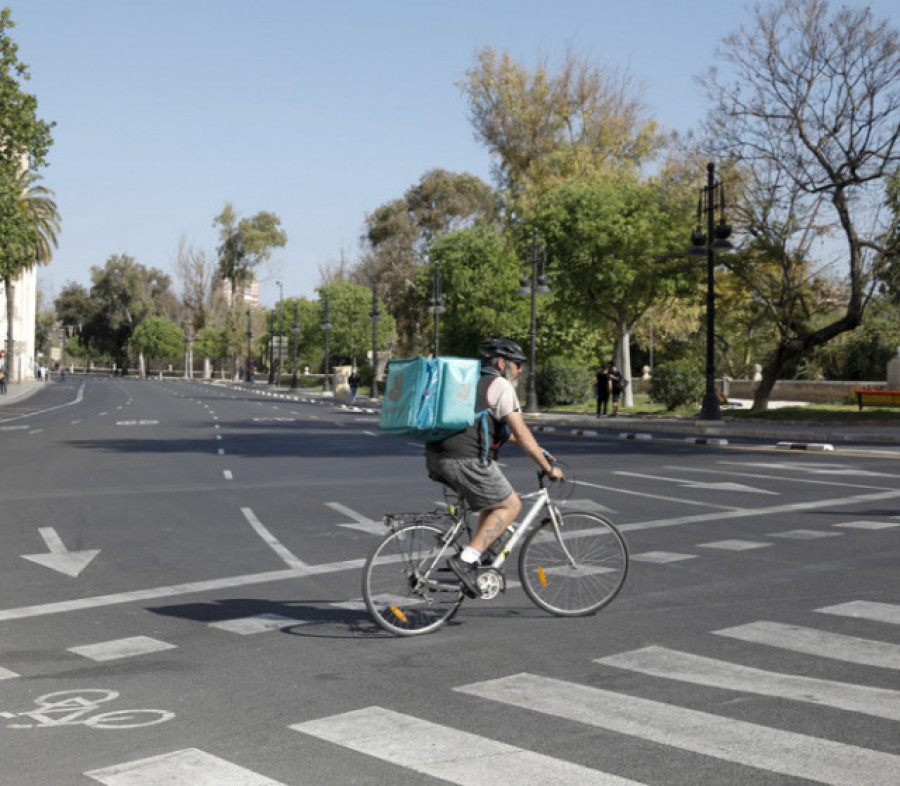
[39, 211]
[37, 203]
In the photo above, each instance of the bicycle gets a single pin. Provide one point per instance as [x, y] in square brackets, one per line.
[571, 564]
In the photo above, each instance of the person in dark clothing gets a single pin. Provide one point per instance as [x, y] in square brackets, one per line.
[353, 382]
[602, 388]
[617, 385]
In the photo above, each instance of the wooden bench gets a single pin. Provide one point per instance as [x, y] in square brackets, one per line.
[877, 397]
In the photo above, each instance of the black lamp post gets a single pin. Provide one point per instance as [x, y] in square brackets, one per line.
[536, 286]
[707, 245]
[326, 327]
[280, 326]
[248, 374]
[374, 318]
[271, 347]
[295, 332]
[437, 307]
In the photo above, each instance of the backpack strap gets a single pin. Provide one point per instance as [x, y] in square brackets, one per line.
[482, 418]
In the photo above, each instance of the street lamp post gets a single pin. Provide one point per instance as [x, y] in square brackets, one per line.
[437, 307]
[326, 327]
[280, 326]
[248, 374]
[707, 245]
[295, 332]
[537, 286]
[374, 318]
[271, 347]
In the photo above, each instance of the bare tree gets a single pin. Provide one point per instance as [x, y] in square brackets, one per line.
[197, 275]
[811, 116]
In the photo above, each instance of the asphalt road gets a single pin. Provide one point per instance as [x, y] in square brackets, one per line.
[179, 603]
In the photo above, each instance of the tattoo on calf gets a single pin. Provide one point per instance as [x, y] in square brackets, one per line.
[494, 530]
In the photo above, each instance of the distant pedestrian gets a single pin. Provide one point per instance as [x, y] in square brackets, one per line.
[602, 388]
[353, 382]
[2, 381]
[617, 385]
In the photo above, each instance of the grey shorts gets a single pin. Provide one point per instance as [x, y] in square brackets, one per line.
[481, 485]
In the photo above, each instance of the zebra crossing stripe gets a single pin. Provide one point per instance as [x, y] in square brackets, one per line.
[823, 643]
[866, 610]
[443, 752]
[683, 666]
[189, 766]
[739, 742]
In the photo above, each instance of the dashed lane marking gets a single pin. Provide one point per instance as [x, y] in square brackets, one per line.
[191, 766]
[122, 648]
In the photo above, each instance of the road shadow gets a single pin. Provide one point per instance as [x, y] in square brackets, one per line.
[314, 618]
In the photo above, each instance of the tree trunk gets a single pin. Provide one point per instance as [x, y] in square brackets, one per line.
[11, 375]
[790, 348]
[623, 355]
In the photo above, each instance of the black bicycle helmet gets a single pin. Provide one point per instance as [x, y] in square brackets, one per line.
[501, 348]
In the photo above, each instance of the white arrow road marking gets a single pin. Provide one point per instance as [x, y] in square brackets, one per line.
[723, 486]
[60, 558]
[362, 523]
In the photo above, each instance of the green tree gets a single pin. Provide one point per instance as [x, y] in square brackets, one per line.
[212, 342]
[124, 293]
[74, 307]
[811, 115]
[246, 242]
[399, 235]
[615, 250]
[159, 339]
[349, 307]
[584, 121]
[480, 278]
[26, 140]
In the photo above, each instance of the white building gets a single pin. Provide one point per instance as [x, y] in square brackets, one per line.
[24, 314]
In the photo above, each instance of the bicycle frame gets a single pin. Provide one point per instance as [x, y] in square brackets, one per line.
[542, 501]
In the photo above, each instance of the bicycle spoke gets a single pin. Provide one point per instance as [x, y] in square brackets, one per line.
[579, 575]
[406, 589]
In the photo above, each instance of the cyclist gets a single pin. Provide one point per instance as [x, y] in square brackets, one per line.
[464, 463]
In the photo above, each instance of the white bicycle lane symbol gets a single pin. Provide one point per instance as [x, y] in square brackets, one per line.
[74, 707]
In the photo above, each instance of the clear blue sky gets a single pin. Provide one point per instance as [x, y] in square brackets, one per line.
[316, 110]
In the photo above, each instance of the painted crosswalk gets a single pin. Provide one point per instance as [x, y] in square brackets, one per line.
[420, 746]
[708, 734]
[699, 670]
[821, 643]
[442, 752]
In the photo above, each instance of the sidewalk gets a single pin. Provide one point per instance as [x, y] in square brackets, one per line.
[806, 432]
[20, 390]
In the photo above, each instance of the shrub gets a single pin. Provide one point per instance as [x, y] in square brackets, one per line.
[677, 383]
[560, 382]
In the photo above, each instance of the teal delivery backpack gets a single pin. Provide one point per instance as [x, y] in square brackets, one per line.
[429, 398]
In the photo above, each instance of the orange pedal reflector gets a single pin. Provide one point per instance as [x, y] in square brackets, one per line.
[399, 614]
[542, 576]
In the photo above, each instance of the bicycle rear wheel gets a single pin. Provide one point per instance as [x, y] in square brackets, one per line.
[586, 582]
[406, 593]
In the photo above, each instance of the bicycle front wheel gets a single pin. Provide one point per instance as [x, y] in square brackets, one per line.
[406, 591]
[577, 571]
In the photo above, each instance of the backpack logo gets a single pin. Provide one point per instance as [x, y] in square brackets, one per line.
[463, 392]
[397, 390]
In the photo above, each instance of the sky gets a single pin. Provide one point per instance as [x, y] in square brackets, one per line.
[316, 110]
